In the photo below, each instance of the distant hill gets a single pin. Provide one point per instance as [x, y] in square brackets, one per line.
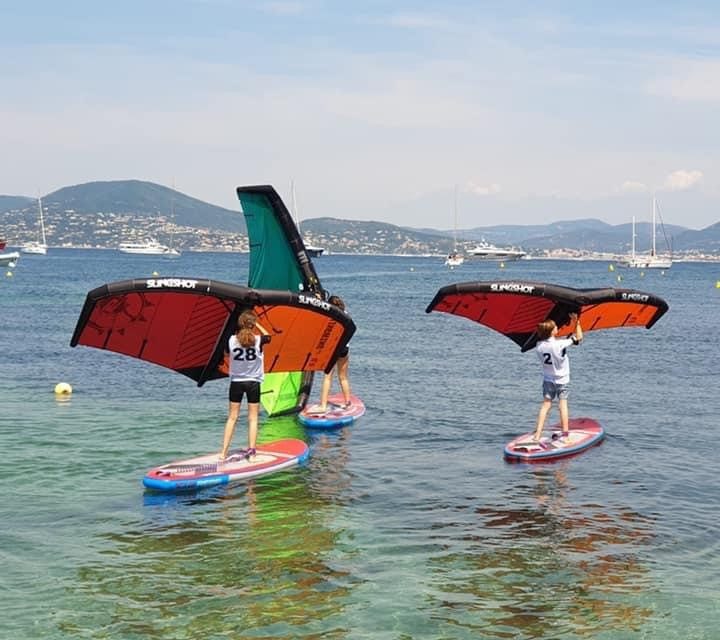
[587, 235]
[706, 240]
[103, 214]
[338, 235]
[145, 199]
[8, 203]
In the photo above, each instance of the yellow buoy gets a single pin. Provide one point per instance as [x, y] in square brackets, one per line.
[717, 284]
[611, 267]
[9, 274]
[619, 278]
[155, 274]
[63, 389]
[502, 265]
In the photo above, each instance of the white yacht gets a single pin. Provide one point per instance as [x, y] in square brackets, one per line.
[647, 261]
[486, 251]
[9, 259]
[150, 247]
[314, 251]
[40, 247]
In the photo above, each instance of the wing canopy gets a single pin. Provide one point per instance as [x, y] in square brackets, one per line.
[278, 260]
[515, 308]
[183, 324]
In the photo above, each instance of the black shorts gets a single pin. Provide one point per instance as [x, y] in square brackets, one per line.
[239, 389]
[344, 352]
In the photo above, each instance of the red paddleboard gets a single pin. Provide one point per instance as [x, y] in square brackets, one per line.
[336, 415]
[206, 471]
[584, 433]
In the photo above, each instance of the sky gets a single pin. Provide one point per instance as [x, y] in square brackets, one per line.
[531, 112]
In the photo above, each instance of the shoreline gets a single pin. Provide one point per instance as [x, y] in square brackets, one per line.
[571, 255]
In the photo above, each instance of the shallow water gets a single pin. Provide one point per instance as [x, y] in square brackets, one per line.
[408, 524]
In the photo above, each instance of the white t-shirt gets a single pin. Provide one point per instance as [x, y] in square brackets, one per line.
[246, 363]
[553, 357]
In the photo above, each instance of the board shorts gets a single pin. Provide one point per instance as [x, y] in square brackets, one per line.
[552, 390]
[239, 388]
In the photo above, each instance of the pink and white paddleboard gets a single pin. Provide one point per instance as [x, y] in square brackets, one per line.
[336, 414]
[584, 433]
[207, 470]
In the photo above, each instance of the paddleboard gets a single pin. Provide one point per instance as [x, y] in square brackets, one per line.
[204, 471]
[583, 434]
[336, 415]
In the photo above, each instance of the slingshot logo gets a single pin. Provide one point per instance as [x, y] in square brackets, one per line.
[635, 297]
[173, 283]
[314, 302]
[512, 287]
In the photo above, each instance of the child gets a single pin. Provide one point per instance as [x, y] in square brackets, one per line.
[341, 366]
[553, 356]
[246, 373]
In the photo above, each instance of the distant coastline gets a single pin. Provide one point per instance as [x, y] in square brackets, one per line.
[106, 214]
[555, 255]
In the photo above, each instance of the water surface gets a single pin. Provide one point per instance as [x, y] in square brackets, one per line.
[408, 524]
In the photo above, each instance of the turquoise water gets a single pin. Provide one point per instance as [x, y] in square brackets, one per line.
[408, 524]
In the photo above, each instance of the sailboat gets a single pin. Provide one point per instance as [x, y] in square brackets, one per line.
[651, 261]
[454, 259]
[172, 252]
[312, 251]
[38, 248]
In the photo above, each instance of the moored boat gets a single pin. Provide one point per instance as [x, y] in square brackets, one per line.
[150, 247]
[486, 251]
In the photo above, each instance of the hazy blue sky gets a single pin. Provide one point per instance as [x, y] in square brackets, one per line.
[537, 111]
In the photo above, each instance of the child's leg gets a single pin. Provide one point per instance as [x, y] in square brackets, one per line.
[542, 415]
[564, 414]
[325, 391]
[253, 411]
[343, 365]
[233, 411]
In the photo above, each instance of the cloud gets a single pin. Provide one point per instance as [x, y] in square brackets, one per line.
[632, 186]
[681, 180]
[482, 190]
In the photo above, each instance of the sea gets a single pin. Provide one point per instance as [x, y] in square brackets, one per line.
[407, 524]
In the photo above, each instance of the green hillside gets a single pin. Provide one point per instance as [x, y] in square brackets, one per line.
[144, 199]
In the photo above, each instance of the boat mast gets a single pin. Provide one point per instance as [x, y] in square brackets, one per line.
[294, 205]
[633, 238]
[42, 222]
[455, 227]
[653, 226]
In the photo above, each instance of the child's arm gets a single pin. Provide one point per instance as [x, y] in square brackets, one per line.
[578, 329]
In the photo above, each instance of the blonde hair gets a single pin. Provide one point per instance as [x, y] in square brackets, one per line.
[246, 328]
[545, 329]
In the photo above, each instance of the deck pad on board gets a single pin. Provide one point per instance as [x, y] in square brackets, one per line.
[583, 434]
[206, 470]
[336, 415]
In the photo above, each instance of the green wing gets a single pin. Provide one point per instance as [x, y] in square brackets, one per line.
[278, 260]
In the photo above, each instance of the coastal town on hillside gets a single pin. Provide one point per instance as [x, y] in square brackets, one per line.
[68, 229]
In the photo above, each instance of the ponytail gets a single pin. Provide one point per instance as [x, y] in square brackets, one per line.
[246, 329]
